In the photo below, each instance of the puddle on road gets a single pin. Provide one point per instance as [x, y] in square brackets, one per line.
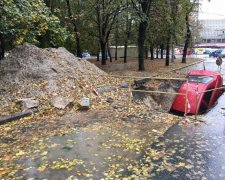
[96, 151]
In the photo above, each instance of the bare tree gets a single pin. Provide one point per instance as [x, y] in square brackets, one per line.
[75, 21]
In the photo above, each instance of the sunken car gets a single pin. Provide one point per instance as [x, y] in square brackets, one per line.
[202, 92]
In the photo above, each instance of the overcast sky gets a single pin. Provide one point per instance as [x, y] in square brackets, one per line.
[215, 9]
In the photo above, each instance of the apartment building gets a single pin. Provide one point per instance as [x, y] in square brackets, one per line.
[213, 31]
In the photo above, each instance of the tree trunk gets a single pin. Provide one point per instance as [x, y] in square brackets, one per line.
[157, 53]
[146, 52]
[173, 55]
[116, 41]
[98, 56]
[79, 53]
[162, 48]
[141, 42]
[125, 52]
[109, 53]
[152, 53]
[74, 22]
[174, 8]
[168, 52]
[2, 48]
[44, 40]
[116, 56]
[187, 41]
[48, 3]
[103, 47]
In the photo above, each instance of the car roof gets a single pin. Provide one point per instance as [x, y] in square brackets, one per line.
[203, 73]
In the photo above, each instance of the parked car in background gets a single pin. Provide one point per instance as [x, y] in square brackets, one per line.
[207, 52]
[199, 81]
[215, 53]
[222, 54]
[85, 55]
[189, 52]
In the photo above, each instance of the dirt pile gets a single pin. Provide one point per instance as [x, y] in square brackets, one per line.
[30, 71]
[28, 62]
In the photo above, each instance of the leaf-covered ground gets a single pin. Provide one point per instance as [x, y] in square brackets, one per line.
[83, 145]
[106, 141]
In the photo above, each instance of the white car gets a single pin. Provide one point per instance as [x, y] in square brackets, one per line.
[85, 55]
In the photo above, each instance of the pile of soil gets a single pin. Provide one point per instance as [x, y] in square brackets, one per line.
[30, 71]
[28, 62]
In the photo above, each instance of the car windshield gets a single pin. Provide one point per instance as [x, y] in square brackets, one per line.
[200, 79]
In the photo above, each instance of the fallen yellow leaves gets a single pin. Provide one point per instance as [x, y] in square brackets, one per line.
[44, 153]
[53, 145]
[181, 164]
[66, 164]
[9, 171]
[3, 171]
[122, 140]
[42, 167]
[20, 153]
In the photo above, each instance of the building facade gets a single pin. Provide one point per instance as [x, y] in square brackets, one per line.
[213, 31]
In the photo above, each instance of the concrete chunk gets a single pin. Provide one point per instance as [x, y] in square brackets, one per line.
[61, 102]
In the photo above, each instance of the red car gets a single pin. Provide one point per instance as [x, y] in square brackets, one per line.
[189, 52]
[199, 81]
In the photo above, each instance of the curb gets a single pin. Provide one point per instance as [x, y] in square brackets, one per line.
[186, 66]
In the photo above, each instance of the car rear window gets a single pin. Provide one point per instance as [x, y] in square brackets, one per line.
[200, 79]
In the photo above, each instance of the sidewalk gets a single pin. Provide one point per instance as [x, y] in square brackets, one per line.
[194, 151]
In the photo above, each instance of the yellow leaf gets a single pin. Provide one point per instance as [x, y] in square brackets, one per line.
[20, 153]
[42, 168]
[3, 171]
[180, 164]
[53, 145]
[44, 153]
[7, 128]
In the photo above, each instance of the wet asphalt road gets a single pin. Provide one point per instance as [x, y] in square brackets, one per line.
[196, 150]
